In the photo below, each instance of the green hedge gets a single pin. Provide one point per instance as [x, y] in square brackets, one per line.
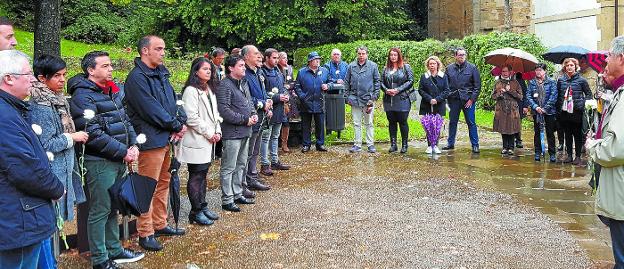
[416, 53]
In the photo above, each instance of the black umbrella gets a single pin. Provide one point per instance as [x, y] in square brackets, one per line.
[132, 195]
[557, 54]
[174, 189]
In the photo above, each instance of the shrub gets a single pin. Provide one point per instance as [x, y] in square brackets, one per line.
[416, 53]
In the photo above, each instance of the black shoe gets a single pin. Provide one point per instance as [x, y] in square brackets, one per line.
[150, 243]
[321, 148]
[169, 231]
[553, 158]
[257, 186]
[475, 149]
[519, 144]
[127, 255]
[568, 159]
[305, 149]
[404, 147]
[248, 194]
[210, 214]
[231, 207]
[393, 145]
[109, 264]
[199, 218]
[448, 147]
[281, 166]
[538, 157]
[244, 201]
[560, 148]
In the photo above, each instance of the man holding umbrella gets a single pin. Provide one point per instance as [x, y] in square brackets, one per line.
[465, 86]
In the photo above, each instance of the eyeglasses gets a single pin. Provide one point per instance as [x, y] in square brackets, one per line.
[22, 74]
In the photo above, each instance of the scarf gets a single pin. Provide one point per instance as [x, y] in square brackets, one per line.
[42, 95]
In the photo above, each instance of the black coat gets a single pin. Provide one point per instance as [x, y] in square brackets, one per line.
[580, 91]
[27, 183]
[110, 131]
[428, 90]
[402, 80]
[275, 79]
[464, 81]
[151, 104]
[235, 107]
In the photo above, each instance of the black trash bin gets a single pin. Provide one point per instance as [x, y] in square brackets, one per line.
[335, 109]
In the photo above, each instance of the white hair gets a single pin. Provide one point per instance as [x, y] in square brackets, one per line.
[617, 45]
[336, 51]
[12, 62]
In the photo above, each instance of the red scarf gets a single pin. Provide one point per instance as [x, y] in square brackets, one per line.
[109, 87]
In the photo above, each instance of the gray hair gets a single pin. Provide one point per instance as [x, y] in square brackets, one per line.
[10, 62]
[336, 51]
[617, 45]
[245, 50]
[364, 48]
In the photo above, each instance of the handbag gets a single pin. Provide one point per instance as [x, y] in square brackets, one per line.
[413, 95]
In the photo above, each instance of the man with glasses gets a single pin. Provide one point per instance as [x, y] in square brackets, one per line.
[27, 216]
[606, 148]
[464, 85]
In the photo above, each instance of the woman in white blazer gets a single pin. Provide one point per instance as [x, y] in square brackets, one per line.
[196, 148]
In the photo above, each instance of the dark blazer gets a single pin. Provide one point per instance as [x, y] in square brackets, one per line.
[402, 80]
[27, 183]
[110, 131]
[464, 81]
[275, 79]
[151, 104]
[235, 107]
[428, 90]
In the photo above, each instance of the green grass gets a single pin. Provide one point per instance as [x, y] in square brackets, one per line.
[122, 58]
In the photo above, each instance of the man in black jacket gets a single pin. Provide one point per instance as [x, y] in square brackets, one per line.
[464, 85]
[239, 115]
[151, 105]
[96, 107]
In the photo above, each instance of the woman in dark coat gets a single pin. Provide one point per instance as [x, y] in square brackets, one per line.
[573, 90]
[507, 93]
[397, 81]
[433, 87]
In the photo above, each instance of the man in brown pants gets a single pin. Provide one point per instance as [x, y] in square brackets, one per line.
[151, 106]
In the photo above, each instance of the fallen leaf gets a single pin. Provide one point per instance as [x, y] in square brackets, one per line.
[270, 236]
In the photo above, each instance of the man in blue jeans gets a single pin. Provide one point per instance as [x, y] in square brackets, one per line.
[464, 86]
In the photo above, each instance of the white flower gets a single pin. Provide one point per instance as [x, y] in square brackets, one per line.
[222, 73]
[141, 138]
[337, 72]
[535, 95]
[50, 156]
[88, 114]
[179, 103]
[259, 105]
[288, 77]
[591, 104]
[274, 90]
[37, 129]
[319, 73]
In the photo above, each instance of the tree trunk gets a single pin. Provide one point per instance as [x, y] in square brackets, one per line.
[47, 27]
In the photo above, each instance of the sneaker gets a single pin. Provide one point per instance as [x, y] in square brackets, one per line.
[355, 149]
[128, 255]
[372, 149]
[429, 150]
[504, 151]
[436, 150]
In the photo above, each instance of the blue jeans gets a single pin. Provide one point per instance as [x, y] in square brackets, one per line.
[18, 258]
[616, 227]
[270, 138]
[46, 255]
[457, 105]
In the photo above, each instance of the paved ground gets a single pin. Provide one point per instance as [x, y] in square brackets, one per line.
[339, 210]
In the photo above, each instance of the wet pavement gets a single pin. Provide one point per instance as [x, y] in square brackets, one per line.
[342, 210]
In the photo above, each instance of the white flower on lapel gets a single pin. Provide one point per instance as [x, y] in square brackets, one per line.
[179, 103]
[319, 73]
[50, 156]
[535, 95]
[88, 114]
[141, 139]
[337, 72]
[37, 129]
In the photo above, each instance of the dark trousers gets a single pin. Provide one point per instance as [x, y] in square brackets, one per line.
[573, 130]
[549, 131]
[319, 128]
[18, 258]
[398, 118]
[560, 132]
[196, 186]
[616, 227]
[508, 141]
[456, 106]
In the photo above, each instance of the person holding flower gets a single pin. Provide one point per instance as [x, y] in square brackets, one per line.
[507, 92]
[336, 66]
[196, 148]
[433, 88]
[97, 108]
[397, 80]
[572, 90]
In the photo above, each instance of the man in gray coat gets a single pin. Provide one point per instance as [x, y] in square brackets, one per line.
[238, 113]
[363, 84]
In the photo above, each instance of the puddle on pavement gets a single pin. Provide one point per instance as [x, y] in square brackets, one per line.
[559, 191]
